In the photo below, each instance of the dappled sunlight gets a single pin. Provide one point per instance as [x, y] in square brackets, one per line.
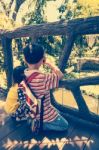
[46, 142]
[92, 3]
[77, 142]
[80, 140]
[5, 22]
[90, 142]
[10, 144]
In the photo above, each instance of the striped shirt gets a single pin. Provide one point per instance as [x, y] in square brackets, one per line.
[41, 85]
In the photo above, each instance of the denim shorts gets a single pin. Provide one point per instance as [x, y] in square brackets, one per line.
[59, 124]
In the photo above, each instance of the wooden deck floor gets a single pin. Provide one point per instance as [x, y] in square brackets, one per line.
[18, 137]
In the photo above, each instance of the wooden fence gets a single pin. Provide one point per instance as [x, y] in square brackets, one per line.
[71, 29]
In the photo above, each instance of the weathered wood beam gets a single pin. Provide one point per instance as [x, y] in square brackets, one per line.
[90, 117]
[78, 26]
[83, 109]
[8, 59]
[74, 86]
[73, 83]
[66, 51]
[33, 39]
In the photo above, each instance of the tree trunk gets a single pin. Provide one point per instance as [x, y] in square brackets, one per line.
[9, 6]
[18, 3]
[4, 7]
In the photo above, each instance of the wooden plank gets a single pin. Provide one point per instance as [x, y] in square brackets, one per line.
[55, 140]
[31, 140]
[93, 143]
[78, 138]
[13, 139]
[22, 138]
[8, 127]
[43, 139]
[27, 141]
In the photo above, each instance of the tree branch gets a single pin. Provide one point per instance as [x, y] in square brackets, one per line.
[18, 3]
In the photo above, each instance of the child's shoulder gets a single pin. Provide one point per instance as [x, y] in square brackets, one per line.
[33, 73]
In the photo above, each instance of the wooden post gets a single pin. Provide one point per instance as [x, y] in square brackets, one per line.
[83, 108]
[8, 59]
[33, 39]
[66, 51]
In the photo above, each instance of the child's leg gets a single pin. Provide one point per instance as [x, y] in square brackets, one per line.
[59, 124]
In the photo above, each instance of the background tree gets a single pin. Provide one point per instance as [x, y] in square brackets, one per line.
[8, 10]
[53, 45]
[71, 9]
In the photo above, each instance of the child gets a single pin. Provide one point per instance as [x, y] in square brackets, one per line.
[41, 85]
[12, 106]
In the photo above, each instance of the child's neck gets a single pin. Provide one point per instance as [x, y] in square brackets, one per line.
[33, 67]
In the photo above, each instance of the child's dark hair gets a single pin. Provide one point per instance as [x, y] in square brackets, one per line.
[33, 53]
[18, 74]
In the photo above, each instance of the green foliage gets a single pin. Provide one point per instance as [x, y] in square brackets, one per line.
[62, 9]
[50, 43]
[70, 11]
[36, 16]
[53, 45]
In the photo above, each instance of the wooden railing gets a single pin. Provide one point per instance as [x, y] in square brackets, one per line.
[74, 86]
[71, 29]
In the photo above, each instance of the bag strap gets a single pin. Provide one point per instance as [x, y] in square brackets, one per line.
[32, 76]
[27, 80]
[41, 113]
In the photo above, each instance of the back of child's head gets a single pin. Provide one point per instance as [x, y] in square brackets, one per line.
[33, 53]
[18, 74]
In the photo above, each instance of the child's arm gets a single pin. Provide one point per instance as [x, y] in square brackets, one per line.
[51, 80]
[11, 102]
[54, 69]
